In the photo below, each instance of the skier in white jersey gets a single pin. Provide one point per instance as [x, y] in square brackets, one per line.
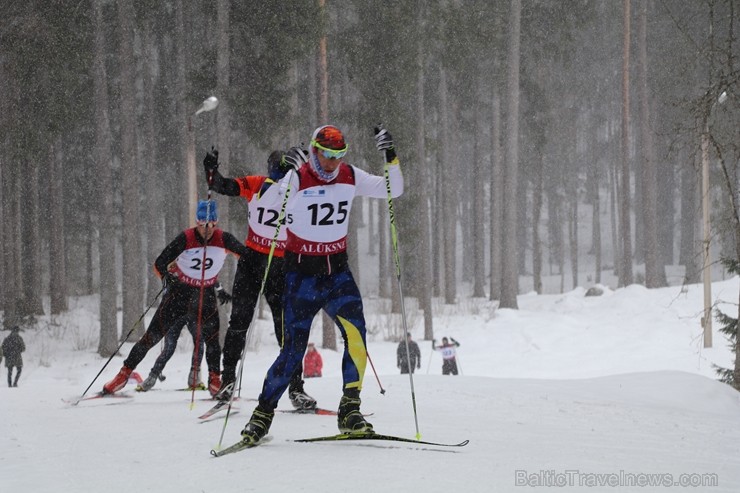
[449, 355]
[183, 271]
[320, 191]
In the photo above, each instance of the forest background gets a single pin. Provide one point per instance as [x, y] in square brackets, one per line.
[522, 126]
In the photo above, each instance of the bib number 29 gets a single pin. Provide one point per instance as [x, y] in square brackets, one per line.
[197, 263]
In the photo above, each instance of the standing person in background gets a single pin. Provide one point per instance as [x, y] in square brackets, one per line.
[402, 361]
[250, 271]
[13, 346]
[312, 362]
[317, 276]
[449, 363]
[182, 268]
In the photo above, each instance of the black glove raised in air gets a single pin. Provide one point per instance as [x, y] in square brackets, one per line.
[384, 143]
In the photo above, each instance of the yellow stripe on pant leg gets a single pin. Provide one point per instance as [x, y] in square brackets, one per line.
[356, 349]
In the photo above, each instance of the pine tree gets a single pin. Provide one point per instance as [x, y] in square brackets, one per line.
[728, 326]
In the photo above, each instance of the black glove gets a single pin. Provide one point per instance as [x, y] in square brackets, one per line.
[222, 295]
[384, 143]
[294, 158]
[210, 162]
[169, 280]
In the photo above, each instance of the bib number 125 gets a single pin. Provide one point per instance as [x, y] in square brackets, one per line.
[326, 214]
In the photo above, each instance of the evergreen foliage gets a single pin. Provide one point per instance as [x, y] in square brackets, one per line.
[728, 326]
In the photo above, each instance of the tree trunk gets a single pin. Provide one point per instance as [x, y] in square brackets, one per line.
[510, 263]
[32, 242]
[537, 197]
[3, 213]
[108, 308]
[439, 230]
[425, 253]
[11, 248]
[155, 176]
[593, 187]
[688, 249]
[478, 224]
[497, 192]
[573, 236]
[449, 222]
[57, 257]
[132, 251]
[614, 216]
[625, 272]
[181, 200]
[223, 132]
[653, 278]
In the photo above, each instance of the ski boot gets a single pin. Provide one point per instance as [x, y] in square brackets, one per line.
[148, 382]
[194, 382]
[258, 425]
[299, 398]
[350, 419]
[214, 383]
[118, 382]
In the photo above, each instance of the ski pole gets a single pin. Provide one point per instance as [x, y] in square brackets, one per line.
[382, 390]
[136, 324]
[273, 244]
[209, 104]
[195, 366]
[397, 259]
[429, 365]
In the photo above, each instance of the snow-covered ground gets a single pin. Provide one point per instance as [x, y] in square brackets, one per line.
[568, 393]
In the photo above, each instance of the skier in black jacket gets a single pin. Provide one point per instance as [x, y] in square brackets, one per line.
[184, 266]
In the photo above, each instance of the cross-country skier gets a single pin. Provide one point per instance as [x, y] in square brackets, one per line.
[449, 360]
[320, 193]
[250, 270]
[183, 270]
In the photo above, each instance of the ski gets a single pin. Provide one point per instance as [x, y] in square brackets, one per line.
[139, 388]
[220, 406]
[98, 395]
[316, 410]
[238, 446]
[377, 436]
[218, 416]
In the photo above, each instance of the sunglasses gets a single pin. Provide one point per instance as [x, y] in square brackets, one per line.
[207, 224]
[330, 153]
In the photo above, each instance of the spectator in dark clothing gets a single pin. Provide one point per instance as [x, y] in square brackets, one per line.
[414, 353]
[13, 346]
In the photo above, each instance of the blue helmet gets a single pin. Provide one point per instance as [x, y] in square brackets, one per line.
[207, 211]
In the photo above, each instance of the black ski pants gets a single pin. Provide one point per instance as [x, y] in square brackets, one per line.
[180, 305]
